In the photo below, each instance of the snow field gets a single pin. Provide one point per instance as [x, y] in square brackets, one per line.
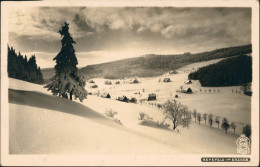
[43, 124]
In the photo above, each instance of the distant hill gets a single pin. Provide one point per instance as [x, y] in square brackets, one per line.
[152, 65]
[47, 74]
[233, 71]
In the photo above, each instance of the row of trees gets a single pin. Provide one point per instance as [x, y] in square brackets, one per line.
[236, 91]
[213, 90]
[181, 116]
[228, 72]
[225, 124]
[20, 68]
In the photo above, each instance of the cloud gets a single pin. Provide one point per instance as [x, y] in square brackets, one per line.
[145, 29]
[171, 30]
[44, 59]
[87, 21]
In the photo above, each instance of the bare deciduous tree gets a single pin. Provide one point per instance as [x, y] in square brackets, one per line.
[177, 113]
[205, 117]
[195, 114]
[225, 125]
[233, 126]
[210, 120]
[217, 121]
[199, 117]
[247, 130]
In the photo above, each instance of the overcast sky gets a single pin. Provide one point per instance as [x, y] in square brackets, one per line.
[106, 34]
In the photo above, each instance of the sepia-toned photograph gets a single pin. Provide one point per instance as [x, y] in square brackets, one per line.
[120, 83]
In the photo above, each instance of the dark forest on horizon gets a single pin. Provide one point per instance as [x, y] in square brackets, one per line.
[234, 71]
[20, 67]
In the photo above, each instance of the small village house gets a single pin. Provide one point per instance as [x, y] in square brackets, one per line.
[166, 80]
[94, 86]
[108, 82]
[105, 95]
[151, 96]
[187, 90]
[122, 98]
[188, 82]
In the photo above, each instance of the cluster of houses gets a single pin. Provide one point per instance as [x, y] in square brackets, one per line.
[187, 90]
[165, 80]
[118, 82]
[150, 97]
[142, 96]
[107, 82]
[126, 99]
[93, 84]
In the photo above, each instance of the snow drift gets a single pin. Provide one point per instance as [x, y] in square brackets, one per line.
[40, 123]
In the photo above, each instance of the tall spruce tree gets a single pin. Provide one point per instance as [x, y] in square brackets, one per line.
[66, 80]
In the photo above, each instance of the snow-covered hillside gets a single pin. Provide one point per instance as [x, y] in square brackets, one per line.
[44, 124]
[219, 102]
[39, 126]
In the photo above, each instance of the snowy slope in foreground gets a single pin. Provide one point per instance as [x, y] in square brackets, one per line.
[44, 124]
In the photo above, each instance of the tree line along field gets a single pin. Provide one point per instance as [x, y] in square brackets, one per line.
[203, 119]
